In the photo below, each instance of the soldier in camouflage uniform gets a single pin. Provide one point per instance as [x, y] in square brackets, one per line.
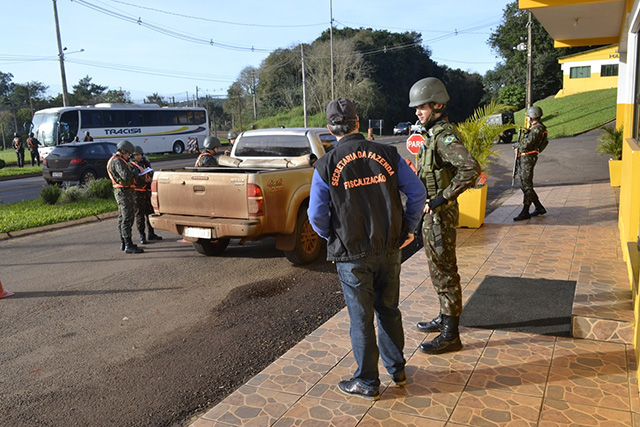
[122, 175]
[210, 156]
[446, 168]
[533, 141]
[142, 193]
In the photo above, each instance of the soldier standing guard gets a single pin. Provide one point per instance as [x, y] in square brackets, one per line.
[532, 143]
[122, 176]
[18, 146]
[210, 156]
[446, 168]
[32, 145]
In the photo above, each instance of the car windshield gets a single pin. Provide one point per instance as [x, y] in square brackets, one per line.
[43, 126]
[272, 146]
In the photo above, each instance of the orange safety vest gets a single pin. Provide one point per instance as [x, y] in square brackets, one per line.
[113, 181]
[528, 152]
[206, 153]
[145, 187]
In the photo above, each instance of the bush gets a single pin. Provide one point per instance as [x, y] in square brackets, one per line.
[73, 194]
[513, 95]
[100, 188]
[2, 163]
[610, 142]
[50, 194]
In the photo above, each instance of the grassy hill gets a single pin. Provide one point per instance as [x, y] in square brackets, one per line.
[577, 113]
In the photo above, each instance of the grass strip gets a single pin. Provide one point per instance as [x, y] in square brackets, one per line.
[35, 213]
[27, 170]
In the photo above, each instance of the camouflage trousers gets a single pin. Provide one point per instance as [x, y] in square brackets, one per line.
[126, 211]
[443, 265]
[142, 201]
[525, 174]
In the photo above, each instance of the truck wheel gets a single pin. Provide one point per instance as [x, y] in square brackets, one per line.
[308, 243]
[211, 247]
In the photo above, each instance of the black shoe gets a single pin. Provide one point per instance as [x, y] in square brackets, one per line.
[131, 248]
[122, 244]
[400, 378]
[448, 340]
[539, 211]
[435, 325]
[354, 388]
[153, 236]
[523, 215]
[143, 240]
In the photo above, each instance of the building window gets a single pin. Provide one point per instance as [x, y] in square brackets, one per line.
[609, 70]
[580, 72]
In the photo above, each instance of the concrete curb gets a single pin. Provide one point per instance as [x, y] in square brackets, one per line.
[57, 226]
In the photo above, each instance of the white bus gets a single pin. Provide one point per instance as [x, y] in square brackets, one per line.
[155, 129]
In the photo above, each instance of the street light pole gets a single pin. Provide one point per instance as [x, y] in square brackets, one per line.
[529, 61]
[63, 75]
[304, 89]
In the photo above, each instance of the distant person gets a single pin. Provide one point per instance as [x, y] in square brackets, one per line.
[123, 175]
[18, 146]
[76, 139]
[355, 204]
[446, 168]
[32, 145]
[231, 136]
[534, 139]
[142, 196]
[210, 156]
[87, 137]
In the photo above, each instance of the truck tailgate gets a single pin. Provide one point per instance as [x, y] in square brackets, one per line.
[206, 194]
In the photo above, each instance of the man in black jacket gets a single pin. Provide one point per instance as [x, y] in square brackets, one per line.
[355, 205]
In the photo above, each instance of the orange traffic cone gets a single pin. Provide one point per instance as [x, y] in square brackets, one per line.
[3, 293]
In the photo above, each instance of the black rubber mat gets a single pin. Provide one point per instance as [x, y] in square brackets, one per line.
[538, 306]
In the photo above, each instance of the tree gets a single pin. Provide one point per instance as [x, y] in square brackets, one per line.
[117, 96]
[547, 74]
[154, 98]
[280, 84]
[87, 93]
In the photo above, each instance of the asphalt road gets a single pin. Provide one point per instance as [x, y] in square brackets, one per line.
[97, 337]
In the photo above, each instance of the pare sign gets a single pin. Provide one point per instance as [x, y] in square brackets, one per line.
[415, 143]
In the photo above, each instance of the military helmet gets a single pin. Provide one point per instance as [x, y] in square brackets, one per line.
[534, 112]
[138, 150]
[17, 134]
[428, 90]
[31, 134]
[125, 145]
[232, 135]
[211, 142]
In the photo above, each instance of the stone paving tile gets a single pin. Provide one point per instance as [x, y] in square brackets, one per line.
[589, 388]
[310, 411]
[595, 356]
[525, 379]
[560, 413]
[384, 418]
[319, 350]
[251, 406]
[591, 328]
[292, 376]
[327, 387]
[509, 348]
[479, 407]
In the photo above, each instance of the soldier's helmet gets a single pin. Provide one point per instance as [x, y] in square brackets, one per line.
[211, 142]
[534, 112]
[87, 133]
[427, 90]
[17, 134]
[125, 145]
[232, 135]
[138, 150]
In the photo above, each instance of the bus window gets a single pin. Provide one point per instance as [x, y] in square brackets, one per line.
[91, 119]
[151, 118]
[132, 118]
[185, 118]
[68, 126]
[113, 119]
[169, 118]
[200, 117]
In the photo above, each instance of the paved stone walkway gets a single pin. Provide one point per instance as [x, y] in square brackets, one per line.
[500, 377]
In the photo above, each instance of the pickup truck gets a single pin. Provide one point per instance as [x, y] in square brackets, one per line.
[261, 189]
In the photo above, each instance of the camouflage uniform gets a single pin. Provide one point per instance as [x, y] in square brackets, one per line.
[527, 149]
[457, 170]
[122, 176]
[142, 197]
[18, 146]
[207, 159]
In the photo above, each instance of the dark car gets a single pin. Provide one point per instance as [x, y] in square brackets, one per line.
[402, 128]
[80, 162]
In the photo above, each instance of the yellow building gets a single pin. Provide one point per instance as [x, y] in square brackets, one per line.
[590, 70]
[598, 23]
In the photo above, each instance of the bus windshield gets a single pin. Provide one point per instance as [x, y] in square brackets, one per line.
[44, 127]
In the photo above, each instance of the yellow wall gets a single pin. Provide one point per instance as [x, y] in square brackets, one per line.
[610, 52]
[624, 117]
[571, 86]
[629, 214]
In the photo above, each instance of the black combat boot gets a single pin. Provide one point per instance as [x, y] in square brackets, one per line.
[122, 244]
[152, 234]
[131, 248]
[143, 239]
[524, 214]
[435, 325]
[448, 340]
[539, 210]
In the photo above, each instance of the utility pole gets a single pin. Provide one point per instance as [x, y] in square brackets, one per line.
[63, 75]
[196, 103]
[30, 100]
[529, 60]
[304, 89]
[253, 93]
[331, 44]
[187, 103]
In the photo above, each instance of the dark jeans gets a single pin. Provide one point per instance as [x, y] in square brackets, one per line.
[20, 155]
[372, 284]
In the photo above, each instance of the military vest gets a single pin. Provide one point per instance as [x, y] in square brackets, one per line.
[435, 177]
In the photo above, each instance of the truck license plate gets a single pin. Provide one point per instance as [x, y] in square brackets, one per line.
[56, 174]
[201, 233]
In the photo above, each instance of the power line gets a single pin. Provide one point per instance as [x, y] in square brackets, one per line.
[217, 20]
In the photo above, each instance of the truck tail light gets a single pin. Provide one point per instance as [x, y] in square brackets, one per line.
[256, 200]
[76, 161]
[154, 194]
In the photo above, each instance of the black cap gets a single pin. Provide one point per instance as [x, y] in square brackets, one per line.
[340, 111]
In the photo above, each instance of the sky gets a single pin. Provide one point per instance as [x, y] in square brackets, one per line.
[172, 47]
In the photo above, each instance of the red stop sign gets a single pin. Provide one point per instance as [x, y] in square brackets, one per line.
[414, 143]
